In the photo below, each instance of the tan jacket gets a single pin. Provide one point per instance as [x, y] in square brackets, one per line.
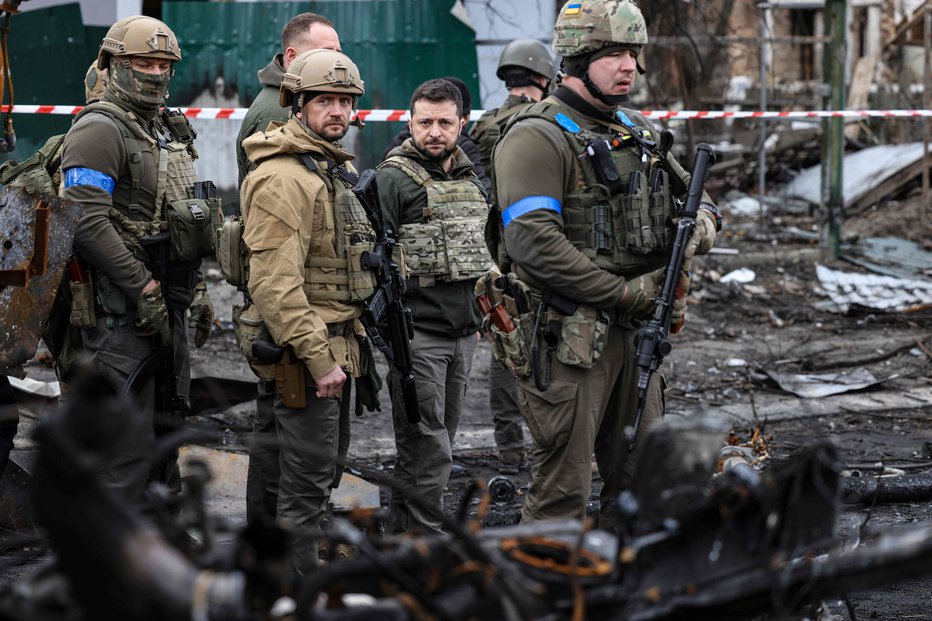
[288, 214]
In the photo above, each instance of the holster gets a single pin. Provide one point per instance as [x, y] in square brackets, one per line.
[291, 381]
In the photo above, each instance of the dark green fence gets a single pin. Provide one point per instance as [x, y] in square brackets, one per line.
[397, 44]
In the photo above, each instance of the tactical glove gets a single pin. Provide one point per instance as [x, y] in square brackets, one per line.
[202, 314]
[703, 237]
[640, 293]
[152, 315]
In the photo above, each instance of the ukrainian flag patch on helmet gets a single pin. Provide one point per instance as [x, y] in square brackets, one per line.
[572, 9]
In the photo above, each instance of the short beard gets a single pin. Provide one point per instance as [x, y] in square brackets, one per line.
[329, 138]
[440, 157]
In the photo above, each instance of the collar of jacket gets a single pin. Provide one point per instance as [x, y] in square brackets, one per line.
[272, 73]
[461, 163]
[293, 138]
[573, 100]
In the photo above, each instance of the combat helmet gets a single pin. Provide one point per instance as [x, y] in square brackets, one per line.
[587, 26]
[139, 36]
[143, 37]
[320, 71]
[528, 54]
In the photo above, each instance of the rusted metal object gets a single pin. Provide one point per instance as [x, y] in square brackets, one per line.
[36, 233]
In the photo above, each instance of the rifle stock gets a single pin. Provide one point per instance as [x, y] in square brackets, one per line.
[386, 307]
[653, 344]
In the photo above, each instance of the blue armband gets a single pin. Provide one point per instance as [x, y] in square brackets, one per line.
[88, 176]
[529, 204]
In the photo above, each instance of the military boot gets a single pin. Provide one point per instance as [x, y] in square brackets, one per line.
[510, 461]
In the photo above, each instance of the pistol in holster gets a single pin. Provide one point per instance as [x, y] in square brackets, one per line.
[290, 374]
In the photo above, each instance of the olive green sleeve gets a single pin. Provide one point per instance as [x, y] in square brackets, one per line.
[533, 162]
[391, 199]
[94, 143]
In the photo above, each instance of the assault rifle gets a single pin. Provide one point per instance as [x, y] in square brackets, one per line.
[387, 303]
[653, 344]
[161, 362]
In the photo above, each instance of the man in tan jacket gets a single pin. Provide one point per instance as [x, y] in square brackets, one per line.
[303, 227]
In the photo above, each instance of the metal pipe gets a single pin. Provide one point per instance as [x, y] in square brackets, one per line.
[833, 142]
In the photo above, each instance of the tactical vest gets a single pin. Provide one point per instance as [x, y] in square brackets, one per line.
[449, 244]
[181, 225]
[625, 226]
[489, 128]
[353, 236]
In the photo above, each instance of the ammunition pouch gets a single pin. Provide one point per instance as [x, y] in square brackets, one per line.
[446, 250]
[111, 300]
[249, 328]
[583, 336]
[232, 253]
[192, 223]
[510, 339]
[82, 313]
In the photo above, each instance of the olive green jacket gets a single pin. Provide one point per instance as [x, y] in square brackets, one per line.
[264, 110]
[447, 308]
[94, 143]
[534, 161]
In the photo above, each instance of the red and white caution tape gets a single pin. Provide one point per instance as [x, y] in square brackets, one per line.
[661, 115]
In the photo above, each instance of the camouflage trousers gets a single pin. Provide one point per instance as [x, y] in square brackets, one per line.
[585, 411]
[425, 450]
[313, 442]
[503, 402]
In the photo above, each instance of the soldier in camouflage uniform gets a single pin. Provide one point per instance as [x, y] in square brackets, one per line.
[303, 32]
[126, 161]
[526, 67]
[587, 202]
[436, 203]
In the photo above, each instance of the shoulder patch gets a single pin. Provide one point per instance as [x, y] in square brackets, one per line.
[567, 123]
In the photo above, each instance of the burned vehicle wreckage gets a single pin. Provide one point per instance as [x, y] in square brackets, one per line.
[734, 545]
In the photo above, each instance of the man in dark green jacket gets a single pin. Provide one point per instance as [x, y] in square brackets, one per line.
[303, 32]
[433, 200]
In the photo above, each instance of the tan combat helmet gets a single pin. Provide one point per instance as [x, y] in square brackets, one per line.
[320, 71]
[139, 36]
[528, 54]
[586, 26]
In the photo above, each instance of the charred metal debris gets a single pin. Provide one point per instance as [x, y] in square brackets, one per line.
[695, 544]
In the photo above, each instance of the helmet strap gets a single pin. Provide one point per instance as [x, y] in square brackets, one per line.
[578, 67]
[522, 79]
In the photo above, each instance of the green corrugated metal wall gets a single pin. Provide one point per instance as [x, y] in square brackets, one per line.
[397, 44]
[49, 52]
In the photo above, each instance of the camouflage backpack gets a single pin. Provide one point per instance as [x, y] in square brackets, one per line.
[39, 173]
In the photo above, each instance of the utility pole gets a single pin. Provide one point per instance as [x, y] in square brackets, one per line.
[833, 134]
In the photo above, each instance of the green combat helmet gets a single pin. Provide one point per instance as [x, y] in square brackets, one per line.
[586, 29]
[138, 36]
[528, 54]
[586, 26]
[320, 71]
